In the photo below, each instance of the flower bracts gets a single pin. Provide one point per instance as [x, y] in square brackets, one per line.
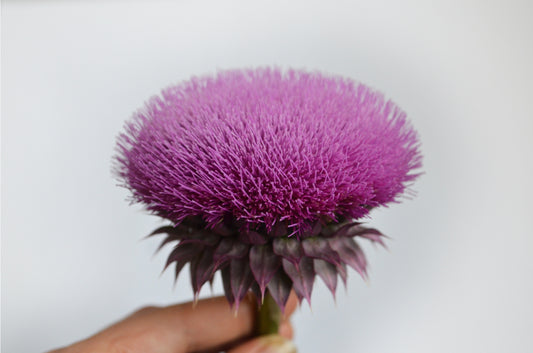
[254, 261]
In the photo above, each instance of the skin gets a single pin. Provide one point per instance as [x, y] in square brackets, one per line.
[209, 326]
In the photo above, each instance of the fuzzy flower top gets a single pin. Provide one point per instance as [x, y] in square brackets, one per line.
[266, 146]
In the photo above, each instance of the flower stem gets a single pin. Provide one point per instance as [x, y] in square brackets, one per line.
[269, 316]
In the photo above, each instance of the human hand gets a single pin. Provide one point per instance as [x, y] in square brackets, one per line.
[210, 326]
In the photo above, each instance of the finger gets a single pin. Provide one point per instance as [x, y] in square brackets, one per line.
[208, 324]
[290, 307]
[266, 344]
[212, 323]
[286, 330]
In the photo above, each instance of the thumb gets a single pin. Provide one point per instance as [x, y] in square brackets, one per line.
[266, 344]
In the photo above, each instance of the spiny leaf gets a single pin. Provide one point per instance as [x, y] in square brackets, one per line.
[241, 279]
[343, 273]
[279, 229]
[202, 236]
[302, 275]
[328, 273]
[280, 288]
[226, 281]
[202, 268]
[264, 264]
[319, 248]
[288, 248]
[373, 235]
[253, 238]
[230, 248]
[162, 230]
[350, 253]
[183, 253]
[223, 230]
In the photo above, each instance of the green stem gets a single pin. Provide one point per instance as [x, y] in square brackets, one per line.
[269, 316]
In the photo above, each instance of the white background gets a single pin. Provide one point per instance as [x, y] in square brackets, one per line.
[459, 274]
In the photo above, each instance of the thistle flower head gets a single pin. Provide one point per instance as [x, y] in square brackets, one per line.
[263, 172]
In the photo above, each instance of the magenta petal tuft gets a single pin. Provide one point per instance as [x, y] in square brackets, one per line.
[267, 148]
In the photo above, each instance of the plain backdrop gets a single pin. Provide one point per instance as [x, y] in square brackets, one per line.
[458, 276]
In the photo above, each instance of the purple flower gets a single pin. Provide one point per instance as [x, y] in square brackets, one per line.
[263, 172]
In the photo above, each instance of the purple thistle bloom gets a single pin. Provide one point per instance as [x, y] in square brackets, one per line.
[263, 172]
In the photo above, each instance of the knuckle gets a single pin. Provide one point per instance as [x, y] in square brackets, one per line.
[145, 310]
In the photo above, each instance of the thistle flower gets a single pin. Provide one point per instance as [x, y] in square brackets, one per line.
[264, 173]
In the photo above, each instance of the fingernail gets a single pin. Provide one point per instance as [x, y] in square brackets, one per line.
[276, 344]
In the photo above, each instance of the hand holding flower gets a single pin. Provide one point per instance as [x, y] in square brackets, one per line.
[208, 326]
